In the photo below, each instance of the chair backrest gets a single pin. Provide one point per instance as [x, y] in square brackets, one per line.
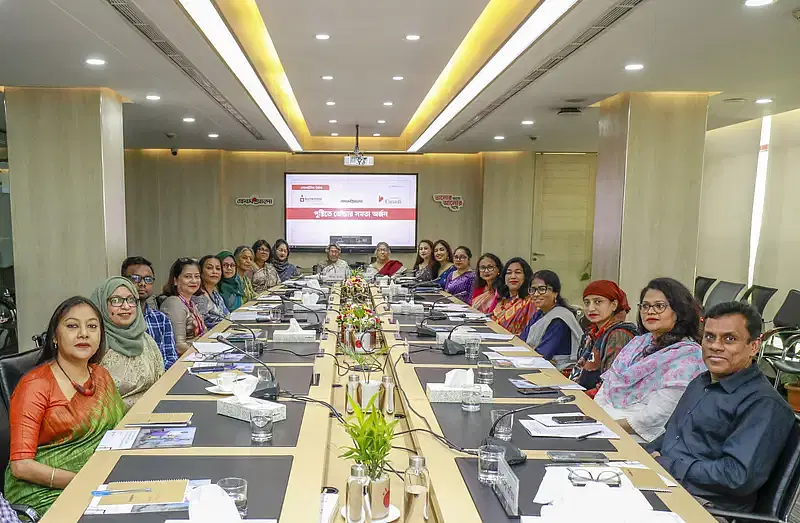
[12, 368]
[722, 292]
[701, 286]
[789, 313]
[758, 296]
[779, 494]
[5, 443]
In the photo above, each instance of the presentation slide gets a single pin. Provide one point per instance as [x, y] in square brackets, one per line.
[354, 210]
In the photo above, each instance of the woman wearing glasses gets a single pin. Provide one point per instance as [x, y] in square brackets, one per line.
[187, 322]
[133, 359]
[383, 264]
[207, 300]
[264, 275]
[649, 375]
[459, 283]
[488, 282]
[553, 331]
[442, 264]
[515, 308]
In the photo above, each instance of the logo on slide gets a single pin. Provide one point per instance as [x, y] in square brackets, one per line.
[391, 200]
[380, 198]
[351, 200]
[310, 199]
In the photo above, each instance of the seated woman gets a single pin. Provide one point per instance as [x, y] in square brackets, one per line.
[515, 308]
[134, 361]
[334, 267]
[442, 264]
[422, 265]
[649, 375]
[263, 274]
[208, 302]
[231, 287]
[605, 306]
[286, 271]
[459, 283]
[244, 265]
[61, 409]
[184, 282]
[553, 331]
[383, 265]
[484, 293]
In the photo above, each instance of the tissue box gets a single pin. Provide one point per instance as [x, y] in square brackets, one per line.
[441, 393]
[408, 308]
[460, 335]
[285, 336]
[231, 408]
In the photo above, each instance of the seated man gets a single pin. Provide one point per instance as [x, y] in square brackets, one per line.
[140, 272]
[334, 267]
[730, 425]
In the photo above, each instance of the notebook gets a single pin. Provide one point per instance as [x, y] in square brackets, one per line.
[159, 419]
[161, 492]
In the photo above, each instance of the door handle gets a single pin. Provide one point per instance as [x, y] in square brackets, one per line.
[535, 256]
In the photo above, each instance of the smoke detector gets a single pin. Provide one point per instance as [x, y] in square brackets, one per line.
[569, 111]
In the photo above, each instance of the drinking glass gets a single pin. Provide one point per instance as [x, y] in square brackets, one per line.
[471, 398]
[472, 347]
[485, 372]
[503, 428]
[260, 426]
[252, 347]
[274, 315]
[489, 457]
[225, 380]
[266, 375]
[236, 488]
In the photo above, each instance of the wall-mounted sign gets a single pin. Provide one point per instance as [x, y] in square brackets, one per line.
[255, 200]
[358, 160]
[449, 201]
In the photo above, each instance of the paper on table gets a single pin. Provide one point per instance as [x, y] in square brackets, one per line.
[637, 465]
[269, 298]
[493, 336]
[118, 439]
[166, 491]
[238, 315]
[521, 362]
[209, 347]
[96, 508]
[613, 515]
[551, 379]
[244, 367]
[537, 430]
[556, 488]
[248, 521]
[159, 418]
[218, 358]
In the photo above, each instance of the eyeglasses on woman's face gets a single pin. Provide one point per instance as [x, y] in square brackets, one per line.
[657, 307]
[487, 268]
[118, 301]
[540, 289]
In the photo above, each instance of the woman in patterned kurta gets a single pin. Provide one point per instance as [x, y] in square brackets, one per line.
[459, 283]
[515, 308]
[60, 410]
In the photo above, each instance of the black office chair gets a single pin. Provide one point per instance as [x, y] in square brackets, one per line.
[12, 368]
[701, 286]
[758, 296]
[785, 325]
[777, 497]
[722, 292]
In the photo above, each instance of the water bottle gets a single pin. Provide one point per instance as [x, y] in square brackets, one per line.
[387, 395]
[352, 391]
[357, 507]
[416, 487]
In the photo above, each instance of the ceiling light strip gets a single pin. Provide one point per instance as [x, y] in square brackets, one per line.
[759, 196]
[545, 16]
[210, 23]
[609, 18]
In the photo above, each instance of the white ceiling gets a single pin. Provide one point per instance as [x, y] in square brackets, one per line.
[714, 45]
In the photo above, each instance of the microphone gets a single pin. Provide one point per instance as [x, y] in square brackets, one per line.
[514, 454]
[423, 331]
[271, 392]
[242, 325]
[319, 326]
[450, 346]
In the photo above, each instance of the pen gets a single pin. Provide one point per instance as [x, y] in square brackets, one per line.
[585, 436]
[112, 492]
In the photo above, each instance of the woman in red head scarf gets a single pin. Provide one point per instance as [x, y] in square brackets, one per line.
[605, 306]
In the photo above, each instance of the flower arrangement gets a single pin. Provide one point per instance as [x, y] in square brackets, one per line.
[360, 317]
[354, 286]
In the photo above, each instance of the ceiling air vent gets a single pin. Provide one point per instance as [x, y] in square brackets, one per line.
[569, 111]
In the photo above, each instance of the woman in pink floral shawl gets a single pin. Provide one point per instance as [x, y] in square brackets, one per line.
[647, 379]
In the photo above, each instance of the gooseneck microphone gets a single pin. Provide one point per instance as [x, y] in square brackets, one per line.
[450, 346]
[270, 392]
[319, 326]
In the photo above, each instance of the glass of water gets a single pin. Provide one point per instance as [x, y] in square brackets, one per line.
[471, 398]
[274, 315]
[472, 347]
[266, 375]
[489, 457]
[485, 373]
[503, 428]
[260, 426]
[236, 488]
[252, 347]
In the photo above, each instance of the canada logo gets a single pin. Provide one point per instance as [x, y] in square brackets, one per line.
[380, 198]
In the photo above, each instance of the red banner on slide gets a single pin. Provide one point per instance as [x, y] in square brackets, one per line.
[328, 213]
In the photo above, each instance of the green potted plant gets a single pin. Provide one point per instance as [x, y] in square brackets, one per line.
[372, 438]
[367, 388]
[791, 382]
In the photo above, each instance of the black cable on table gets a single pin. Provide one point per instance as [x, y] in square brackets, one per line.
[300, 397]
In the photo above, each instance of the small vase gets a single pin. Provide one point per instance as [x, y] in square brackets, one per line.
[363, 341]
[366, 391]
[380, 496]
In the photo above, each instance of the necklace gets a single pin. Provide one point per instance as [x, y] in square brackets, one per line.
[78, 387]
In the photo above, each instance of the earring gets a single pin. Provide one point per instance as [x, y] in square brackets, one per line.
[55, 344]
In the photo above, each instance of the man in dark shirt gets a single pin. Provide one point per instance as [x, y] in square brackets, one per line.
[730, 426]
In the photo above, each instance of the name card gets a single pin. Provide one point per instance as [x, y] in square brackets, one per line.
[506, 488]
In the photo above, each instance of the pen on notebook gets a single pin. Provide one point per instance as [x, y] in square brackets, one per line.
[124, 491]
[585, 436]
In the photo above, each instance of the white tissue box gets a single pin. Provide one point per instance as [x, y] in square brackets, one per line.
[459, 335]
[441, 393]
[231, 408]
[285, 336]
[408, 308]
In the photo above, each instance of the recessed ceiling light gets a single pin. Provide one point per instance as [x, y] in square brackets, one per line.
[634, 67]
[381, 121]
[763, 101]
[334, 134]
[327, 77]
[188, 119]
[397, 78]
[331, 102]
[213, 135]
[332, 121]
[758, 3]
[412, 38]
[376, 134]
[388, 104]
[499, 137]
[323, 37]
[153, 97]
[527, 122]
[95, 61]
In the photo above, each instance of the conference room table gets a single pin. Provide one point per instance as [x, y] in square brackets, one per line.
[286, 476]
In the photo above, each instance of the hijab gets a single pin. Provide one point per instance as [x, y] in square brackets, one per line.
[128, 341]
[609, 290]
[230, 286]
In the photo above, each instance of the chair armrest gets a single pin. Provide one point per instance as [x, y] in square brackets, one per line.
[732, 515]
[26, 511]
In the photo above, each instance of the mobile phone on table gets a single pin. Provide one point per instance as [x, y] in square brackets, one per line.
[538, 390]
[577, 457]
[573, 420]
